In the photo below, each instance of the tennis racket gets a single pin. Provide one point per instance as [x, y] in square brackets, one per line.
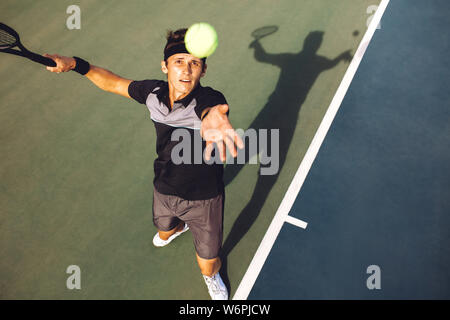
[264, 32]
[9, 39]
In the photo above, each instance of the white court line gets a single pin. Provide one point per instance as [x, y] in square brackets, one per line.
[296, 222]
[281, 215]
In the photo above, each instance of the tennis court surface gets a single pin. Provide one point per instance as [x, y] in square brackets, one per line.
[77, 163]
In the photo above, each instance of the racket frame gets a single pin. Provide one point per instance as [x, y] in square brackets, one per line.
[257, 36]
[24, 52]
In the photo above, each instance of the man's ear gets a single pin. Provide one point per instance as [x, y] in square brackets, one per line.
[204, 71]
[164, 67]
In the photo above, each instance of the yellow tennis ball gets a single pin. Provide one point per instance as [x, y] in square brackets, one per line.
[201, 40]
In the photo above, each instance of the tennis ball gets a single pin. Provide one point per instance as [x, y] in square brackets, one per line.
[201, 40]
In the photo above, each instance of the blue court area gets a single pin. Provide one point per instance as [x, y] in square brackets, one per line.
[378, 192]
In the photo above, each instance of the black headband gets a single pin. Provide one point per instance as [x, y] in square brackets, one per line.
[177, 48]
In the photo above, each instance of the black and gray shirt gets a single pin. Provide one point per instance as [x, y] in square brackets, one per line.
[189, 181]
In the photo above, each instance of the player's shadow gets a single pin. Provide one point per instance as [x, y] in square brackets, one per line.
[298, 73]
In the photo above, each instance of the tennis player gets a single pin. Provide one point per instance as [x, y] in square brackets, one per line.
[186, 196]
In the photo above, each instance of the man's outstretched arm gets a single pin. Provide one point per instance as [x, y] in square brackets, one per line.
[102, 78]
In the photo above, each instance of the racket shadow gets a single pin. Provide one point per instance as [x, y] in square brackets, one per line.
[299, 72]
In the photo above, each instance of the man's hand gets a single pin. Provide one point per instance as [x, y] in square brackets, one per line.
[63, 64]
[217, 128]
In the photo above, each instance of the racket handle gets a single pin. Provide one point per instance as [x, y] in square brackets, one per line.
[41, 59]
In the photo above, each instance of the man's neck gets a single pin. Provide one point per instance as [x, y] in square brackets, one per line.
[173, 96]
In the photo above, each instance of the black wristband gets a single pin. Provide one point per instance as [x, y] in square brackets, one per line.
[81, 66]
[204, 116]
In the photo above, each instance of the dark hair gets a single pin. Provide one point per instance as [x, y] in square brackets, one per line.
[176, 38]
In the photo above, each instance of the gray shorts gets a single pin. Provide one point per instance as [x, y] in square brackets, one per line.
[204, 218]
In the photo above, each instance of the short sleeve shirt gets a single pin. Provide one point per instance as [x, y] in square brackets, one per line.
[192, 179]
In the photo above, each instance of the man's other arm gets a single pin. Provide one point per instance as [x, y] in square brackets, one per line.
[102, 78]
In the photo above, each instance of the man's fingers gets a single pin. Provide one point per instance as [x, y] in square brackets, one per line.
[226, 139]
[232, 139]
[210, 147]
[53, 57]
[208, 150]
[61, 65]
[230, 145]
[48, 56]
[238, 141]
[221, 147]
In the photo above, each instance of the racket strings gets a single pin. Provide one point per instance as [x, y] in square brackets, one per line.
[6, 39]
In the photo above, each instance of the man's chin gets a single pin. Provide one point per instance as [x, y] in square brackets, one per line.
[186, 86]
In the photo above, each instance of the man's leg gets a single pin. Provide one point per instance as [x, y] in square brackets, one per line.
[209, 267]
[205, 219]
[165, 219]
[164, 235]
[210, 271]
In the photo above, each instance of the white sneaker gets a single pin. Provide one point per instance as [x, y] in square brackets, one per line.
[216, 287]
[158, 242]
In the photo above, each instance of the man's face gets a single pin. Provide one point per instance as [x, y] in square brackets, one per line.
[183, 73]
